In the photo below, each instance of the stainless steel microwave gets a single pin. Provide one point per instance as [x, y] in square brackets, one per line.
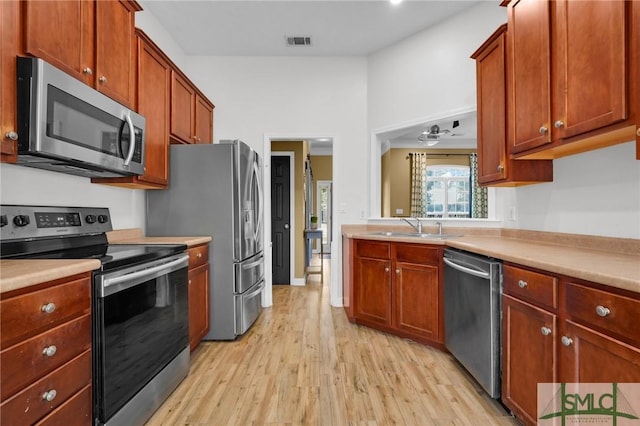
[66, 126]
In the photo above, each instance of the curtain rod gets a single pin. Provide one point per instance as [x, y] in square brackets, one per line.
[441, 155]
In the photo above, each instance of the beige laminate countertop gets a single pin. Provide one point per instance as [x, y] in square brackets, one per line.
[608, 267]
[19, 273]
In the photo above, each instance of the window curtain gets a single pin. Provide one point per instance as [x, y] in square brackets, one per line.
[418, 161]
[478, 194]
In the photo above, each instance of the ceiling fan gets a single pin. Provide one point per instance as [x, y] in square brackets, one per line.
[432, 136]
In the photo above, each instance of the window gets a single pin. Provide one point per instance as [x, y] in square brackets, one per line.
[448, 191]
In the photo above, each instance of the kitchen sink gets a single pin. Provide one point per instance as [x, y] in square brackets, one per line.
[415, 235]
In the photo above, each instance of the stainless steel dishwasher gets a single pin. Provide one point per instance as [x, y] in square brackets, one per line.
[472, 310]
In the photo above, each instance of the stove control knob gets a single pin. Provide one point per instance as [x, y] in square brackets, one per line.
[103, 218]
[3, 220]
[21, 220]
[90, 218]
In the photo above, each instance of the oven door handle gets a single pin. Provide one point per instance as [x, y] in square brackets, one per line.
[466, 270]
[111, 285]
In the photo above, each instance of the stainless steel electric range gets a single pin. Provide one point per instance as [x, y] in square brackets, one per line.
[140, 340]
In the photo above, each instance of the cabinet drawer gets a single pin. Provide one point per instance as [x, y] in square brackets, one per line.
[25, 362]
[25, 315]
[198, 255]
[604, 310]
[417, 253]
[76, 411]
[373, 249]
[29, 406]
[540, 289]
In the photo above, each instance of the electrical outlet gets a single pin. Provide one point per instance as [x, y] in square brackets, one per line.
[399, 211]
[513, 215]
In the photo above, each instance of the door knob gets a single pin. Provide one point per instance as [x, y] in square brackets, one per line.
[286, 226]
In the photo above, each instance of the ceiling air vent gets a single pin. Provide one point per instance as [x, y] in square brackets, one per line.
[299, 41]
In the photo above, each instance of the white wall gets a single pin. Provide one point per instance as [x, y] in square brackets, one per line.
[24, 185]
[430, 72]
[596, 193]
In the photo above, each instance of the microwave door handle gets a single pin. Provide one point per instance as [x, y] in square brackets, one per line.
[132, 138]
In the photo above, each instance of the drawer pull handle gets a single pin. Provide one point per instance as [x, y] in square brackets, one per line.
[50, 350]
[545, 331]
[522, 284]
[602, 311]
[567, 341]
[49, 396]
[48, 308]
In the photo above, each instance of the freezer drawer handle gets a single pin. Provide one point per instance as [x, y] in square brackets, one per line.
[464, 269]
[253, 264]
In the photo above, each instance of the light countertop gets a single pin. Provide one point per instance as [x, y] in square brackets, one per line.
[579, 258]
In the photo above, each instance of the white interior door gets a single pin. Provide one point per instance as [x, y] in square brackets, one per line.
[324, 212]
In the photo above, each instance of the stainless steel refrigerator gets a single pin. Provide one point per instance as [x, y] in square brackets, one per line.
[216, 190]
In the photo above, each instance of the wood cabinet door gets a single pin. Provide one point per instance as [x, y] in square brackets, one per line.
[115, 50]
[492, 115]
[416, 299]
[584, 353]
[203, 121]
[198, 304]
[529, 59]
[154, 80]
[528, 355]
[62, 33]
[182, 105]
[590, 67]
[373, 290]
[9, 19]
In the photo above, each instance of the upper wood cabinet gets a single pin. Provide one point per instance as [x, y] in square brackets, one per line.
[568, 76]
[191, 112]
[92, 41]
[9, 47]
[153, 102]
[495, 167]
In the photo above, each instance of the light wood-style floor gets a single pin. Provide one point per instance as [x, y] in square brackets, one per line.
[303, 363]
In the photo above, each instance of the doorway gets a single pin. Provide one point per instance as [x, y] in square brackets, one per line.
[281, 218]
[324, 212]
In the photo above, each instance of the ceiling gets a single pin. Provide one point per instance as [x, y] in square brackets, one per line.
[336, 28]
[260, 28]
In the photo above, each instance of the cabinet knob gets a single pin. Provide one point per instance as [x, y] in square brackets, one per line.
[545, 331]
[397, 271]
[558, 124]
[11, 135]
[522, 284]
[567, 341]
[48, 308]
[543, 130]
[500, 167]
[386, 269]
[50, 350]
[102, 79]
[87, 71]
[49, 396]
[602, 311]
[199, 255]
[638, 131]
[189, 282]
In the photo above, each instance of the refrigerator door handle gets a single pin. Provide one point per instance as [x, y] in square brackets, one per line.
[256, 176]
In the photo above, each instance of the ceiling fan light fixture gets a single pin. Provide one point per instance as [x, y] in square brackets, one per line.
[395, 1]
[432, 142]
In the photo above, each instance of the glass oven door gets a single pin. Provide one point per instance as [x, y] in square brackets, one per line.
[141, 322]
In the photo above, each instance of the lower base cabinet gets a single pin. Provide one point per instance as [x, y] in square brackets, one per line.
[591, 337]
[45, 353]
[396, 287]
[198, 294]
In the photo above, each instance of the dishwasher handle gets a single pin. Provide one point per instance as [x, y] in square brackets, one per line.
[467, 270]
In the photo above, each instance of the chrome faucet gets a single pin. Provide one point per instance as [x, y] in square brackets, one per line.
[417, 227]
[439, 227]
